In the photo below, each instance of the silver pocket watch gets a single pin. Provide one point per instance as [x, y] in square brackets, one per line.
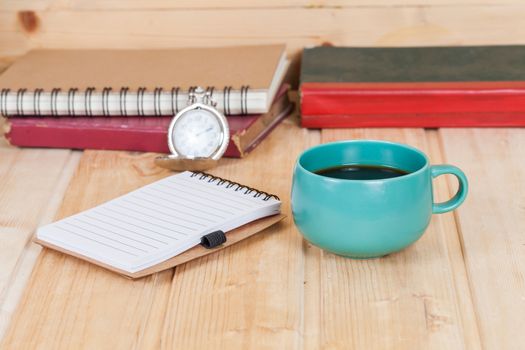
[198, 135]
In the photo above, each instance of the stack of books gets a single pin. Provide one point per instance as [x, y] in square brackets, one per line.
[470, 86]
[125, 99]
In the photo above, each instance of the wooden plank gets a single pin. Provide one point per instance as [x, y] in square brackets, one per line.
[415, 299]
[25, 5]
[71, 304]
[249, 295]
[192, 4]
[29, 180]
[492, 223]
[298, 27]
[21, 271]
[50, 5]
[448, 228]
[13, 41]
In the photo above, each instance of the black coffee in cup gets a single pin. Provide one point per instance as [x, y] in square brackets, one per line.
[361, 172]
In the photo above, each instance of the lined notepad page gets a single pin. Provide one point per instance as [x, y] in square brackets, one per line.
[158, 221]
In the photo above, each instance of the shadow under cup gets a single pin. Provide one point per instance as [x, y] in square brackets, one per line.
[367, 218]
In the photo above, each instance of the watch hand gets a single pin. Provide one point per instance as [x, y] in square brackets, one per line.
[205, 131]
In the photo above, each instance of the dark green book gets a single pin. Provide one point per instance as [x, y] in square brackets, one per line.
[413, 86]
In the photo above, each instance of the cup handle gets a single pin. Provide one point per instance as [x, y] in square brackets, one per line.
[459, 197]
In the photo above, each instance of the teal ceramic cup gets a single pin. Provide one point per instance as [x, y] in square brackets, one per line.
[367, 218]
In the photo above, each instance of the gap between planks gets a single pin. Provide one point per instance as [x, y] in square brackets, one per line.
[20, 269]
[432, 309]
[65, 298]
[492, 221]
[417, 298]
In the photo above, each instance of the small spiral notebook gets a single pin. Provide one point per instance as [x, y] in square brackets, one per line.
[242, 80]
[163, 224]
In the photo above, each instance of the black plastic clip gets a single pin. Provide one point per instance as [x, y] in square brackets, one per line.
[214, 239]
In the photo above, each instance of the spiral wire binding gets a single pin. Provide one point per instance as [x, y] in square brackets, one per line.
[156, 100]
[36, 101]
[231, 184]
[208, 96]
[191, 94]
[210, 90]
[91, 90]
[175, 98]
[140, 101]
[244, 99]
[226, 99]
[123, 99]
[2, 112]
[3, 106]
[229, 100]
[19, 101]
[105, 101]
[2, 93]
[71, 101]
[54, 100]
[106, 91]
[87, 101]
[2, 99]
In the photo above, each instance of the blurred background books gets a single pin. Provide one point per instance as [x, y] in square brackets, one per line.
[469, 86]
[125, 99]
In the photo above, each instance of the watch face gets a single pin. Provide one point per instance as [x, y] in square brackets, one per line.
[197, 133]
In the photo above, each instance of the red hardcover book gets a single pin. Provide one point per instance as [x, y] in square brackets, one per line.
[147, 134]
[413, 87]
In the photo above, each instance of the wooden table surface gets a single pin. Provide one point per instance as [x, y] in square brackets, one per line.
[461, 286]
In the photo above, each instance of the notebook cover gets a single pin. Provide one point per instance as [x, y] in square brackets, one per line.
[146, 134]
[232, 237]
[414, 120]
[418, 86]
[219, 67]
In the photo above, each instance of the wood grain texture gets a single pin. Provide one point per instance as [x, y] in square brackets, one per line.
[13, 42]
[30, 180]
[72, 304]
[10, 5]
[414, 299]
[69, 303]
[450, 228]
[67, 27]
[248, 296]
[492, 226]
[185, 4]
[21, 271]
[274, 290]
[50, 5]
[26, 5]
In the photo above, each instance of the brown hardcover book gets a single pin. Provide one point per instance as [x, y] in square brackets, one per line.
[145, 134]
[242, 79]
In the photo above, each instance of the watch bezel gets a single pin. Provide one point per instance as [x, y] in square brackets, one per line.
[225, 130]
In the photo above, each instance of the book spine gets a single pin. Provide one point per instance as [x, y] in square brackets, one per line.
[123, 102]
[41, 133]
[269, 126]
[491, 119]
[421, 99]
[137, 133]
